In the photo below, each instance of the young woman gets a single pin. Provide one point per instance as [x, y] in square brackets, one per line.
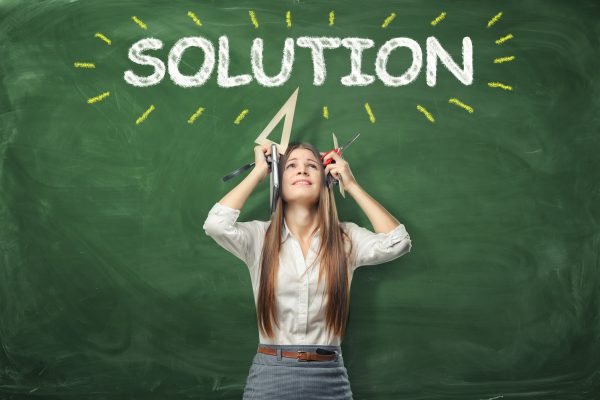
[301, 264]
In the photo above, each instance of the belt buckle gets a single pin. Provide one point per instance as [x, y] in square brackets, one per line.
[301, 352]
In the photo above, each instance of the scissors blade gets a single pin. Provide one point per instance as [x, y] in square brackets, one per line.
[349, 142]
[236, 172]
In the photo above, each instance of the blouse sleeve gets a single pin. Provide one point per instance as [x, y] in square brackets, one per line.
[239, 238]
[372, 248]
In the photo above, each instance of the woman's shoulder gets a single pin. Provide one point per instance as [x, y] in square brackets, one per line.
[348, 226]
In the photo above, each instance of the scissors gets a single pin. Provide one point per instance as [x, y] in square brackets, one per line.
[338, 151]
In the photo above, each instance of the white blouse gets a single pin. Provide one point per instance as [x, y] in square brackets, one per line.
[300, 304]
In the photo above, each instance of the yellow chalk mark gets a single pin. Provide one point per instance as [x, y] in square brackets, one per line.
[240, 117]
[494, 19]
[139, 22]
[425, 112]
[325, 112]
[388, 20]
[102, 37]
[499, 85]
[370, 112]
[84, 65]
[331, 18]
[98, 98]
[438, 19]
[194, 18]
[288, 19]
[503, 59]
[504, 38]
[253, 18]
[461, 105]
[143, 117]
[195, 115]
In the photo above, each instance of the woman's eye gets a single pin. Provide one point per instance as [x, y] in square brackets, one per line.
[294, 165]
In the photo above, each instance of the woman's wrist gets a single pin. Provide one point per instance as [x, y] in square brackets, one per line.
[259, 173]
[352, 188]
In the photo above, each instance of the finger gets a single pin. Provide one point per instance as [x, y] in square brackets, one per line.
[328, 156]
[335, 156]
[335, 173]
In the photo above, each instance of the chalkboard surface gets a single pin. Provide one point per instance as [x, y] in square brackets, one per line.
[110, 289]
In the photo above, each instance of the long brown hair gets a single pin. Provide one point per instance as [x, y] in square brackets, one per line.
[334, 259]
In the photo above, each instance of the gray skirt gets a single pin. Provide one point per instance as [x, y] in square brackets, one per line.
[276, 377]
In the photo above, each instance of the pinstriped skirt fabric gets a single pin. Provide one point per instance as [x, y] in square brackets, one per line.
[274, 377]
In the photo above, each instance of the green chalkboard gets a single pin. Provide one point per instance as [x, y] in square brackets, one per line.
[110, 289]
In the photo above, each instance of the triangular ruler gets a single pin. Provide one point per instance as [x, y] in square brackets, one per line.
[288, 111]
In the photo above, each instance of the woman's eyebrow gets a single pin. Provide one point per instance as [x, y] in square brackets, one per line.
[313, 161]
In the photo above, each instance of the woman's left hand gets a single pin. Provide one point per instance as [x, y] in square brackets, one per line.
[340, 170]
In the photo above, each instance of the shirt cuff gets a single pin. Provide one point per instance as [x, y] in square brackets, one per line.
[227, 214]
[396, 236]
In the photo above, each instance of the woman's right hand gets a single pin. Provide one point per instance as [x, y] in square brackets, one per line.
[260, 160]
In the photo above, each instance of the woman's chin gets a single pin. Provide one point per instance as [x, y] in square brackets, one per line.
[301, 198]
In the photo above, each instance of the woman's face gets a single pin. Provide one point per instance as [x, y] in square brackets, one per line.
[302, 177]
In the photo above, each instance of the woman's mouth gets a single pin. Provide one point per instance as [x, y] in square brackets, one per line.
[302, 182]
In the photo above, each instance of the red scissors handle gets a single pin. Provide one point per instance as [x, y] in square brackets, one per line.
[327, 162]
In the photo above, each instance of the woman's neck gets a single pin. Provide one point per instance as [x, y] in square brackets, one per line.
[301, 221]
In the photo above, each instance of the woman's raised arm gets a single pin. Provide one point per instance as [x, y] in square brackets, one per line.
[381, 219]
[236, 198]
[242, 239]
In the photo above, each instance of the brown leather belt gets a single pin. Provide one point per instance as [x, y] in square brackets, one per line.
[300, 355]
